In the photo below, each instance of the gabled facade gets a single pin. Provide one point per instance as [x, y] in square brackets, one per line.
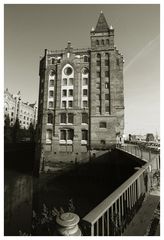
[81, 98]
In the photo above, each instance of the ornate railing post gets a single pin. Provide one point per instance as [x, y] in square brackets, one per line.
[68, 224]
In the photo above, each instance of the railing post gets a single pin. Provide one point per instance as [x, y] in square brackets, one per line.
[68, 224]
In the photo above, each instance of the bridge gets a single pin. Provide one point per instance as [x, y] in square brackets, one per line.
[113, 216]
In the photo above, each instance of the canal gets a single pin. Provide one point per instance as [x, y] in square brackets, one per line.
[84, 186]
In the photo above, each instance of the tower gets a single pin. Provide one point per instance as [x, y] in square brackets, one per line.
[81, 99]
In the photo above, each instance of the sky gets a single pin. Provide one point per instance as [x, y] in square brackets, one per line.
[29, 29]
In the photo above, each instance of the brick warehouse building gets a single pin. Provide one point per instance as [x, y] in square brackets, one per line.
[81, 98]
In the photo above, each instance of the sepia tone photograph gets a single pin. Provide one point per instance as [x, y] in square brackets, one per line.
[81, 120]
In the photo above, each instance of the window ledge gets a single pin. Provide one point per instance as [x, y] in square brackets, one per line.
[83, 142]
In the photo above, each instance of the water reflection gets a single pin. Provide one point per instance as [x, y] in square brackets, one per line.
[17, 203]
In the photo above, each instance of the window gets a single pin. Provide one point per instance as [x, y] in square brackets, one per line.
[106, 62]
[85, 104]
[103, 142]
[70, 93]
[12, 114]
[85, 92]
[106, 96]
[99, 56]
[63, 118]
[85, 118]
[102, 42]
[50, 104]
[64, 93]
[24, 117]
[50, 118]
[98, 85]
[70, 118]
[97, 42]
[84, 135]
[86, 59]
[63, 104]
[107, 41]
[70, 81]
[51, 83]
[107, 108]
[11, 119]
[98, 63]
[85, 81]
[51, 93]
[70, 104]
[62, 134]
[106, 73]
[102, 125]
[106, 85]
[98, 75]
[53, 60]
[64, 81]
[70, 134]
[52, 73]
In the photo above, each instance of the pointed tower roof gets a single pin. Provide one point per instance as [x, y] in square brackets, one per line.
[102, 25]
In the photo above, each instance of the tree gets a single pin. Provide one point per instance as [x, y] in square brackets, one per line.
[31, 132]
[16, 131]
[7, 130]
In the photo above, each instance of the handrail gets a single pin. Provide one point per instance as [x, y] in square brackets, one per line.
[100, 209]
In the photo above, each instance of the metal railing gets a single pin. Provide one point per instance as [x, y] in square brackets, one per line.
[111, 216]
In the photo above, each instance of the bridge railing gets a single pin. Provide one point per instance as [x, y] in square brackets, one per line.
[111, 216]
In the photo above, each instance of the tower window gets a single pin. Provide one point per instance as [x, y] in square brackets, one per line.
[50, 104]
[51, 93]
[85, 58]
[85, 104]
[70, 92]
[107, 41]
[64, 81]
[63, 118]
[85, 71]
[70, 104]
[98, 55]
[52, 73]
[64, 93]
[102, 142]
[85, 92]
[102, 42]
[106, 73]
[64, 104]
[85, 81]
[97, 42]
[102, 124]
[50, 118]
[51, 83]
[84, 135]
[98, 63]
[53, 61]
[98, 75]
[70, 118]
[85, 118]
[106, 96]
[106, 62]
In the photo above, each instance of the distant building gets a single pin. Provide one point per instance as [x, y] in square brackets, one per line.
[81, 97]
[16, 108]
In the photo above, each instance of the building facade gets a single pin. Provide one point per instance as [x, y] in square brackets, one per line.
[14, 107]
[81, 97]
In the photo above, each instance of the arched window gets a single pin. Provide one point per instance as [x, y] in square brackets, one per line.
[98, 55]
[97, 42]
[50, 118]
[102, 41]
